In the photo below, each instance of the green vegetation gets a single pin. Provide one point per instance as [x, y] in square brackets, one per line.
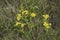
[29, 20]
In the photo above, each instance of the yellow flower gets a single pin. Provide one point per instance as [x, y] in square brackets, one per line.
[23, 24]
[19, 17]
[33, 14]
[25, 12]
[46, 16]
[47, 25]
[17, 23]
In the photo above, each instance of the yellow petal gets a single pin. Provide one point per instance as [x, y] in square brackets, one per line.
[25, 12]
[23, 24]
[46, 16]
[17, 23]
[33, 14]
[19, 17]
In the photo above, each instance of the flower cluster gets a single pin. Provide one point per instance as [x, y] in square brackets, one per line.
[46, 24]
[22, 16]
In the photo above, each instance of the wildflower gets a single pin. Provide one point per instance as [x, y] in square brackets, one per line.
[47, 25]
[17, 23]
[23, 24]
[19, 17]
[25, 12]
[33, 14]
[46, 16]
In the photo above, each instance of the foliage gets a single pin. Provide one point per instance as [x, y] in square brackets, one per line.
[29, 20]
